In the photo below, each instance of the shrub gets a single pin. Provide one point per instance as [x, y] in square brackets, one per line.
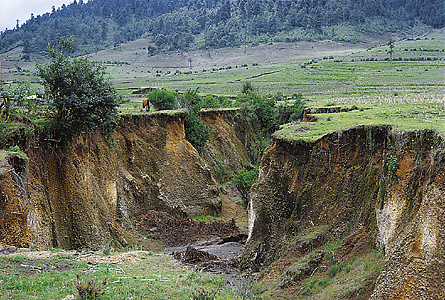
[287, 112]
[14, 149]
[247, 87]
[224, 101]
[220, 170]
[163, 99]
[260, 108]
[244, 180]
[196, 131]
[89, 290]
[191, 100]
[210, 102]
[80, 97]
[392, 166]
[4, 117]
[18, 97]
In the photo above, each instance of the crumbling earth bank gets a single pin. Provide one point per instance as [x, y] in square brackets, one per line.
[91, 192]
[390, 185]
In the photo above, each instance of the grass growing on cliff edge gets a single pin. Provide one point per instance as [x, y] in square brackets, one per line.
[402, 117]
[130, 275]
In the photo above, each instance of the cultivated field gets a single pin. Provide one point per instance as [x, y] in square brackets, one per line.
[327, 73]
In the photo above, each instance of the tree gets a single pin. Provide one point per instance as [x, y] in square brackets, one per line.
[163, 99]
[391, 46]
[247, 87]
[287, 112]
[261, 108]
[79, 96]
[244, 179]
[196, 131]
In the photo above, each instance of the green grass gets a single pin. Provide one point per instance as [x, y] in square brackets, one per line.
[322, 71]
[344, 78]
[402, 117]
[329, 278]
[349, 278]
[321, 76]
[206, 218]
[149, 277]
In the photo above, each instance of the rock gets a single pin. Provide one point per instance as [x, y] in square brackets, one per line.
[11, 249]
[193, 256]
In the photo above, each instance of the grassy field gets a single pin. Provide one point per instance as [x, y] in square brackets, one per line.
[322, 71]
[328, 75]
[130, 275]
[402, 116]
[407, 92]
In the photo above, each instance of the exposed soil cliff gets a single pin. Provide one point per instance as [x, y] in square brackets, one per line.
[14, 203]
[91, 192]
[367, 183]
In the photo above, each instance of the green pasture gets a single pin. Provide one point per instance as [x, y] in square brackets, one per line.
[148, 276]
[402, 116]
[416, 73]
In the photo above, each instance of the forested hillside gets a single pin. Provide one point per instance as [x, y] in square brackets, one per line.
[192, 24]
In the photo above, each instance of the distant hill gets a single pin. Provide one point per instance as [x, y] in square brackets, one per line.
[199, 24]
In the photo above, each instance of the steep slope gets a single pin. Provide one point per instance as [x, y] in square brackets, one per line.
[13, 201]
[91, 192]
[365, 181]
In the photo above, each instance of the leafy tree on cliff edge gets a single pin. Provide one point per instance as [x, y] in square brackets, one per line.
[196, 131]
[79, 96]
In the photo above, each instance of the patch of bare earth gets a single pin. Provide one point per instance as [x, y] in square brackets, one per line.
[174, 231]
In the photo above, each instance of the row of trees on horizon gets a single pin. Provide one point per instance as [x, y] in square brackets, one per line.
[199, 24]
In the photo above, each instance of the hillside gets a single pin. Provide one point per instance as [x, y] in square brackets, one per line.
[195, 24]
[323, 71]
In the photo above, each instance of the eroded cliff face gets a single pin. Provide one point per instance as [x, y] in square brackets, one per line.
[365, 179]
[91, 192]
[14, 203]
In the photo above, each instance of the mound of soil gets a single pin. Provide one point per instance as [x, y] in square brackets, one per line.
[181, 231]
[193, 256]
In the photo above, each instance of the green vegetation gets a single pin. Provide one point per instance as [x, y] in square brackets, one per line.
[244, 179]
[323, 72]
[89, 290]
[80, 97]
[196, 131]
[286, 111]
[195, 24]
[403, 116]
[344, 278]
[4, 117]
[267, 111]
[206, 218]
[142, 276]
[260, 108]
[322, 274]
[14, 149]
[220, 170]
[163, 99]
[392, 165]
[18, 99]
